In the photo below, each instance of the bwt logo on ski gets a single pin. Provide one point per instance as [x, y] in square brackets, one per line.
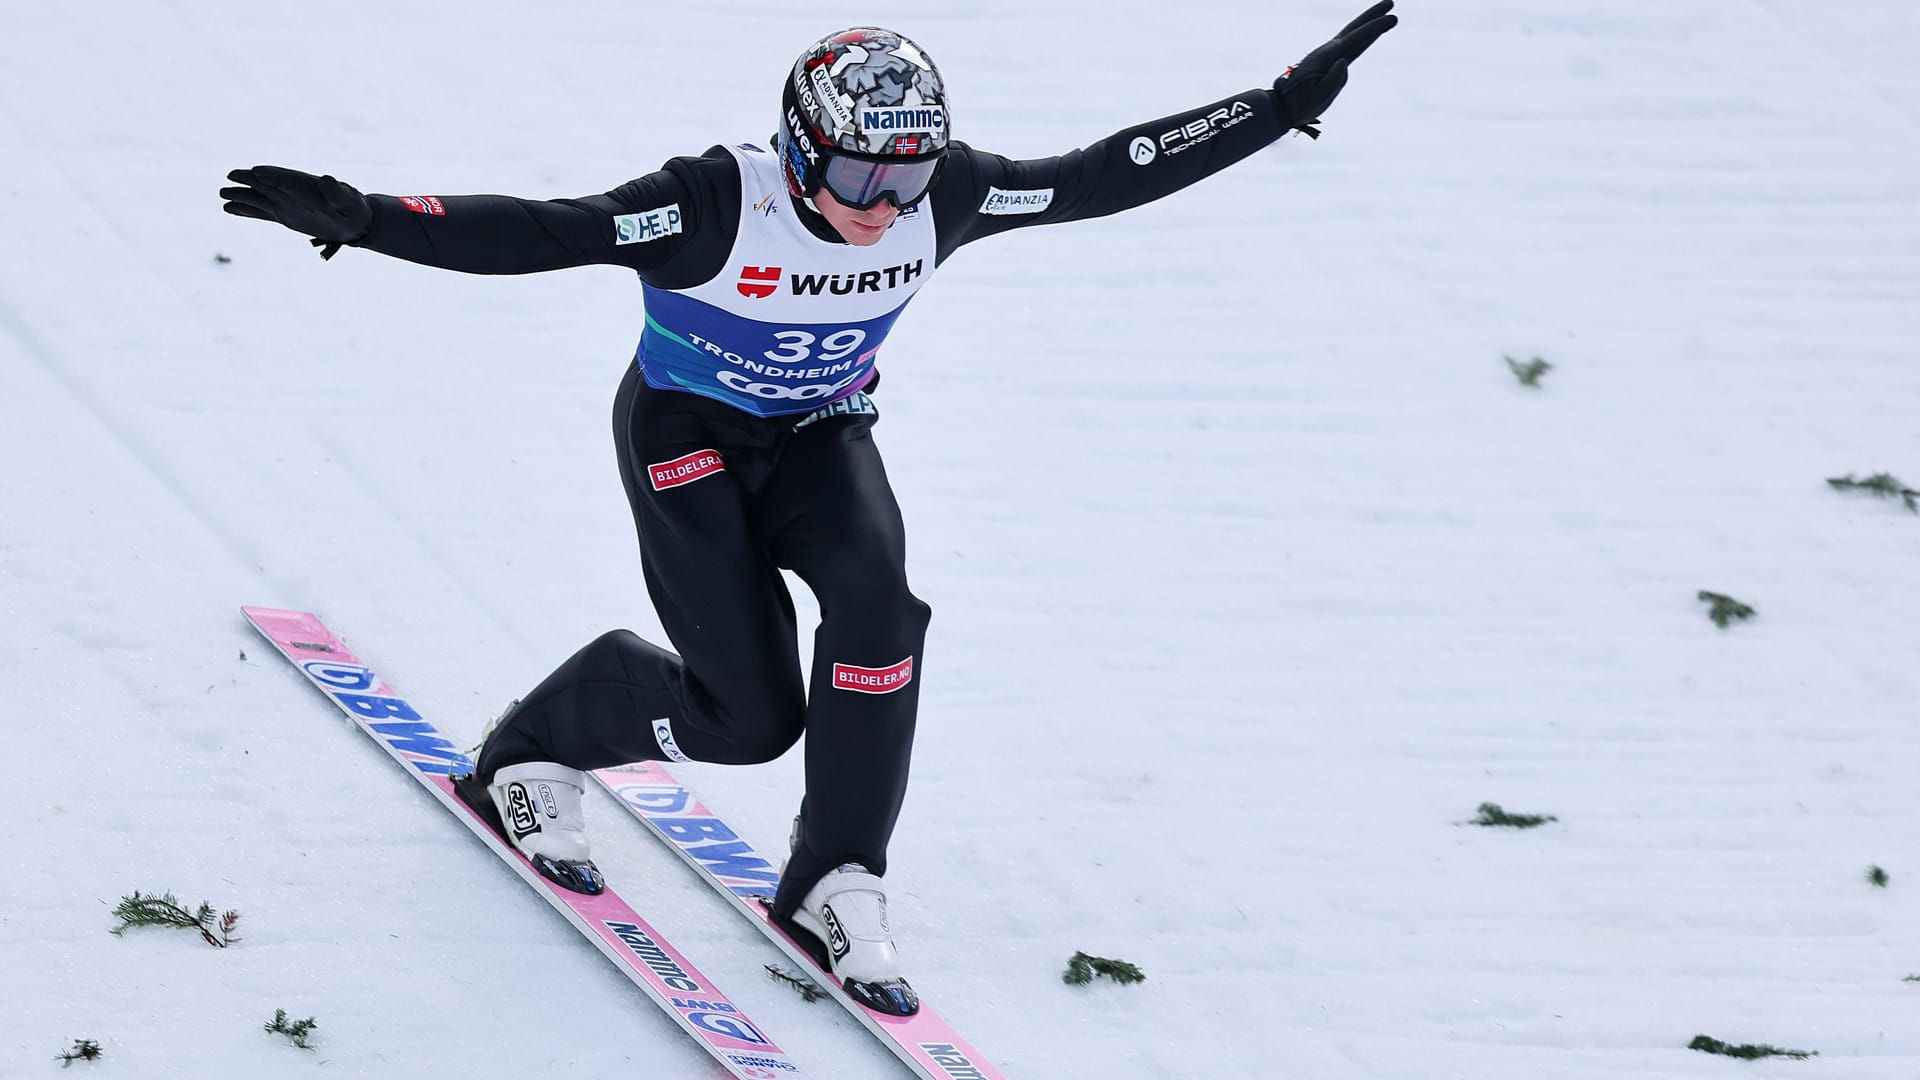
[652, 955]
[389, 717]
[685, 470]
[952, 1061]
[705, 838]
[721, 1019]
[928, 118]
[866, 680]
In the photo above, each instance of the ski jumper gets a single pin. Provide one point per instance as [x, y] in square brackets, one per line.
[744, 431]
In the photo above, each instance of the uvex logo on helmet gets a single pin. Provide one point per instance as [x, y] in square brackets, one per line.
[799, 130]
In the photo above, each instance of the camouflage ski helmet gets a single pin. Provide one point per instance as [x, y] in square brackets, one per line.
[864, 115]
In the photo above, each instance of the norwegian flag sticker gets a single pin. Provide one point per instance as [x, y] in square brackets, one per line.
[424, 204]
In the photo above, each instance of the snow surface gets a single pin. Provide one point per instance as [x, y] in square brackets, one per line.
[1254, 570]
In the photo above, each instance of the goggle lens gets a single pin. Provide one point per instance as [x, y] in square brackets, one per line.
[860, 185]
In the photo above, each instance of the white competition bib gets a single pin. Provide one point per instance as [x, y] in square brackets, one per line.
[792, 322]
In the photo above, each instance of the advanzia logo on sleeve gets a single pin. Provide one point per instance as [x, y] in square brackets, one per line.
[1030, 201]
[359, 691]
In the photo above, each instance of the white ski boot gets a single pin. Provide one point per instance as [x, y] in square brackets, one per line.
[847, 911]
[535, 806]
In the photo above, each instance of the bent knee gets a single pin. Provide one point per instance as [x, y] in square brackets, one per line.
[878, 597]
[755, 745]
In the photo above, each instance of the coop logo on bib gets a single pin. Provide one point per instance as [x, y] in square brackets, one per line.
[866, 680]
[685, 470]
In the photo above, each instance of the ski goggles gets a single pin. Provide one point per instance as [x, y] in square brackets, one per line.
[860, 184]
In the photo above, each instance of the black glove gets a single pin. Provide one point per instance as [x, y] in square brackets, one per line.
[331, 212]
[1305, 90]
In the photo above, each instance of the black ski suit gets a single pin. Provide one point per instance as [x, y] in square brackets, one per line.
[723, 499]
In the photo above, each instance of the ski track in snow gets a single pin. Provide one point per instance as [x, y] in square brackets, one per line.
[1253, 569]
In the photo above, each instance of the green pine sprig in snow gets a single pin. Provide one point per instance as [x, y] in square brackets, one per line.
[807, 990]
[1707, 1044]
[1082, 968]
[1883, 485]
[1492, 816]
[296, 1031]
[1529, 373]
[83, 1050]
[1725, 610]
[146, 909]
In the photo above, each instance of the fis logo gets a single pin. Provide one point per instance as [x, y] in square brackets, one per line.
[759, 282]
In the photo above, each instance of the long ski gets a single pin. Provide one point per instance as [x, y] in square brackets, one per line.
[924, 1042]
[606, 920]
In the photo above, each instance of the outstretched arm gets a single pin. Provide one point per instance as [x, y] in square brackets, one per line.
[641, 225]
[980, 194]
